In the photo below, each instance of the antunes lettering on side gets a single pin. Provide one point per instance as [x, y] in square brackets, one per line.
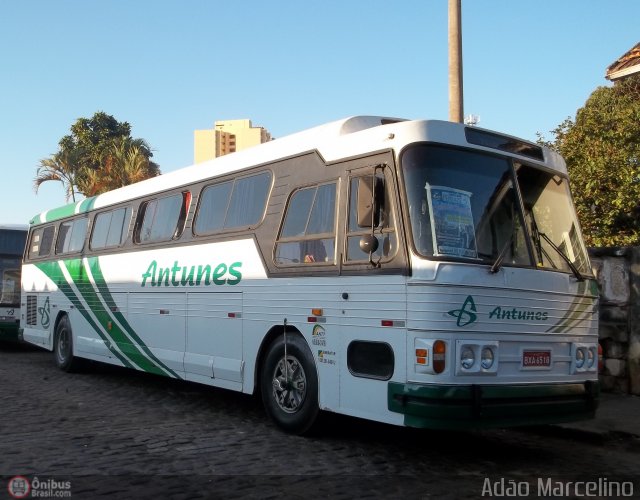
[194, 275]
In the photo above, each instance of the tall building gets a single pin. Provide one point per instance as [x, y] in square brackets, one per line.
[226, 137]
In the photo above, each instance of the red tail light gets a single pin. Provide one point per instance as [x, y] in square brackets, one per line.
[600, 359]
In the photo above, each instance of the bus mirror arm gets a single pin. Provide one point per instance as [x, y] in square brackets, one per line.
[369, 243]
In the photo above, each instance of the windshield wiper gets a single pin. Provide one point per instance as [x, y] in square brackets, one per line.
[495, 267]
[571, 265]
[536, 234]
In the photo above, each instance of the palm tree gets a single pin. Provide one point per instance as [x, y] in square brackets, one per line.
[125, 162]
[63, 167]
[135, 165]
[93, 182]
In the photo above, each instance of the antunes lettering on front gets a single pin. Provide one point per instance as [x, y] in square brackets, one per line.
[469, 313]
[518, 314]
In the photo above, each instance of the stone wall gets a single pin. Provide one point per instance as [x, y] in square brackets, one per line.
[618, 274]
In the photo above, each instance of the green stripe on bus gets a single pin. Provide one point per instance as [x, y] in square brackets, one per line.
[55, 274]
[79, 207]
[581, 313]
[578, 311]
[129, 349]
[105, 293]
[86, 204]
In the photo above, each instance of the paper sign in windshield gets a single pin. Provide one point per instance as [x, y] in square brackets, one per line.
[452, 221]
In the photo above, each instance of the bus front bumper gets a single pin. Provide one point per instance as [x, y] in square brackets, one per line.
[478, 406]
[9, 330]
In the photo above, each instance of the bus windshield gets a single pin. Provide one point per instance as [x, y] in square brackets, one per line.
[465, 204]
[11, 249]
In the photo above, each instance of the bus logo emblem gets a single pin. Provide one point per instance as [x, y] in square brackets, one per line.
[467, 314]
[44, 314]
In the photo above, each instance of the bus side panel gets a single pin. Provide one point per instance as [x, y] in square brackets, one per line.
[100, 346]
[372, 318]
[183, 311]
[159, 318]
[35, 316]
[213, 352]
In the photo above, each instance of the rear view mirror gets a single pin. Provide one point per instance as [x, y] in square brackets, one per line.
[369, 202]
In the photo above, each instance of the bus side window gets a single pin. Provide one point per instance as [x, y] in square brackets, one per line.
[41, 241]
[232, 204]
[159, 218]
[71, 235]
[110, 228]
[308, 230]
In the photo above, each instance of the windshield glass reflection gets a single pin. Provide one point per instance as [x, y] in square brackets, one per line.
[464, 204]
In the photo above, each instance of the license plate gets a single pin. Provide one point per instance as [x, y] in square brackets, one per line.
[536, 359]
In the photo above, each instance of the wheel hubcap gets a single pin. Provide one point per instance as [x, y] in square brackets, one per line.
[289, 385]
[63, 345]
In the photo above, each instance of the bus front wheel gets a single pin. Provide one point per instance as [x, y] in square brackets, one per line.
[63, 346]
[289, 386]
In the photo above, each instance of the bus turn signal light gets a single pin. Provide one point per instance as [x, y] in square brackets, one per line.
[422, 356]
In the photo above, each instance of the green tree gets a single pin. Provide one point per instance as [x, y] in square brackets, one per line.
[61, 167]
[602, 151]
[100, 151]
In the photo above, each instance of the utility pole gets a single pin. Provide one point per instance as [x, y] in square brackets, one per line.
[456, 107]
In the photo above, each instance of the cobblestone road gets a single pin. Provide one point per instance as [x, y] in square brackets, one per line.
[115, 433]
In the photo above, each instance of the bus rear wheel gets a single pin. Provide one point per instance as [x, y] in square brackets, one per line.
[63, 346]
[289, 386]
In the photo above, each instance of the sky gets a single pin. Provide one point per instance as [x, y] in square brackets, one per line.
[169, 67]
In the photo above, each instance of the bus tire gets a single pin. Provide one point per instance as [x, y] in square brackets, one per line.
[63, 346]
[292, 402]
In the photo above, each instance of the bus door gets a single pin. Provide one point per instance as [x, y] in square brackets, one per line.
[373, 297]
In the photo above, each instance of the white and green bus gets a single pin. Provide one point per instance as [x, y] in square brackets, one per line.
[419, 273]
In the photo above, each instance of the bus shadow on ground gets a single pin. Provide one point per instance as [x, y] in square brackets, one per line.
[16, 346]
[484, 446]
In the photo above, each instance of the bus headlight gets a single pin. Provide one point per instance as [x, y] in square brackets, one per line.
[477, 357]
[467, 357]
[579, 358]
[486, 358]
[591, 358]
[584, 358]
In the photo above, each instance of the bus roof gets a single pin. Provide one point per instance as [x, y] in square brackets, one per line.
[335, 140]
[14, 227]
